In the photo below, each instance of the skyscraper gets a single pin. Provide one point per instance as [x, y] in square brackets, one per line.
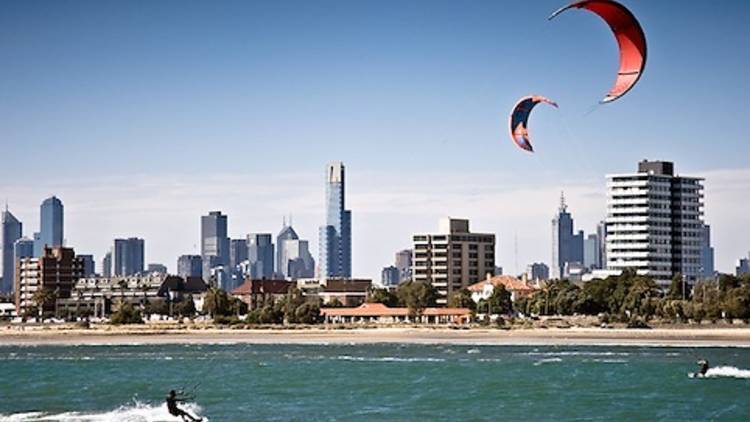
[654, 222]
[50, 226]
[107, 265]
[403, 264]
[707, 253]
[214, 241]
[592, 249]
[287, 233]
[10, 231]
[128, 257]
[336, 235]
[237, 252]
[538, 271]
[293, 258]
[260, 253]
[88, 264]
[189, 266]
[566, 247]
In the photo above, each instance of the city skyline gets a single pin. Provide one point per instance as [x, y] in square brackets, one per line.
[588, 204]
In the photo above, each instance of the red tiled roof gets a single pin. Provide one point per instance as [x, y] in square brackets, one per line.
[263, 286]
[378, 310]
[510, 283]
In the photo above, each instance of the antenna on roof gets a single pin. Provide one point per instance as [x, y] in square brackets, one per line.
[563, 205]
[283, 221]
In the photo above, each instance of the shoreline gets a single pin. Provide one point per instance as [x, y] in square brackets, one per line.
[657, 337]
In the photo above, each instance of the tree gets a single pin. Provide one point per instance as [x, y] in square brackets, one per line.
[43, 298]
[461, 299]
[216, 303]
[127, 314]
[416, 296]
[677, 289]
[384, 296]
[186, 307]
[499, 301]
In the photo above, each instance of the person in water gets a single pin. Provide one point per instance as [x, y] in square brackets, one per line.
[703, 368]
[172, 401]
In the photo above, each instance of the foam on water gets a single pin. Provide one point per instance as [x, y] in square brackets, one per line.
[136, 412]
[728, 371]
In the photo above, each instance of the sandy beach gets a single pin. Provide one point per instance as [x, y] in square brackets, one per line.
[685, 337]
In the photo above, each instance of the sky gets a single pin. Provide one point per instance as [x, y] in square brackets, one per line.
[142, 116]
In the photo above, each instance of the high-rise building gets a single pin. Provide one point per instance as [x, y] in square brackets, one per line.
[336, 235]
[50, 226]
[601, 233]
[453, 258]
[707, 253]
[237, 252]
[128, 256]
[538, 271]
[88, 265]
[592, 248]
[654, 222]
[107, 265]
[10, 231]
[190, 266]
[58, 269]
[566, 246]
[293, 258]
[743, 266]
[214, 241]
[260, 255]
[403, 264]
[156, 268]
[390, 276]
[23, 248]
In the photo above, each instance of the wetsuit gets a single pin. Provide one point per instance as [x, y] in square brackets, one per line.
[176, 411]
[704, 368]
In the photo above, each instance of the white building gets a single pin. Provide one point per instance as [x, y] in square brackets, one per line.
[453, 258]
[654, 222]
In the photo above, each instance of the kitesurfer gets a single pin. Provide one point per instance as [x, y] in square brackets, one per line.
[172, 401]
[703, 368]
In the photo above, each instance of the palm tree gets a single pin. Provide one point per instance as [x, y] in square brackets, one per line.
[42, 298]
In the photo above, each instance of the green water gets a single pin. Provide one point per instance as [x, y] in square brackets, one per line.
[373, 382]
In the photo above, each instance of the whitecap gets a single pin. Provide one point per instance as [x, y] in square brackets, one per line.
[728, 371]
[140, 412]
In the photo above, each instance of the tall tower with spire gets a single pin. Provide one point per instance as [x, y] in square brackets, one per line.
[566, 246]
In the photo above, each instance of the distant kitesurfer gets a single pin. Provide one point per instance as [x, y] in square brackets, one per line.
[172, 401]
[703, 368]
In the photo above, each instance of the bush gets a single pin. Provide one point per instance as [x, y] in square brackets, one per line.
[638, 323]
[127, 314]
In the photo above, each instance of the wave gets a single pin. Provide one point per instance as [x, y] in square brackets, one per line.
[136, 412]
[387, 359]
[547, 360]
[576, 353]
[728, 371]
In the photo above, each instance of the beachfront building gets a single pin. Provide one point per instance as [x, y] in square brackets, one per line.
[100, 296]
[377, 313]
[453, 258]
[340, 291]
[57, 270]
[655, 222]
[484, 289]
[257, 293]
[335, 237]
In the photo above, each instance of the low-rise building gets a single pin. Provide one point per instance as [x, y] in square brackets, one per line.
[344, 291]
[484, 289]
[100, 296]
[379, 313]
[256, 293]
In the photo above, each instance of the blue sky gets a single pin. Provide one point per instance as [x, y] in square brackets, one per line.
[117, 106]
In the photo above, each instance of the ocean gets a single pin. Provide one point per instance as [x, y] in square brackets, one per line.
[383, 382]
